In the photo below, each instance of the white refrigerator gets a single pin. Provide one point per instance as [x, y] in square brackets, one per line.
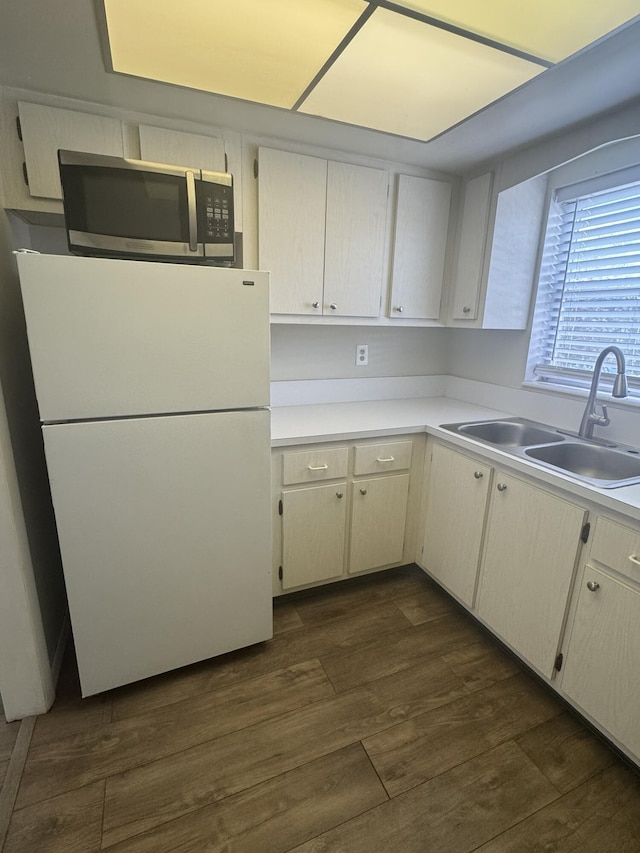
[152, 382]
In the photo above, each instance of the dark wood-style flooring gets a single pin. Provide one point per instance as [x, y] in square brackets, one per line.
[379, 718]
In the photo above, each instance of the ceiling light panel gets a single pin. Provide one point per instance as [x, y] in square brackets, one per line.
[549, 29]
[406, 77]
[260, 51]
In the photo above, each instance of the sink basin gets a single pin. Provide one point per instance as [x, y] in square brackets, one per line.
[607, 467]
[600, 466]
[515, 432]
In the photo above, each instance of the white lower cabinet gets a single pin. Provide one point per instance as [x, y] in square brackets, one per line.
[602, 660]
[314, 523]
[344, 509]
[531, 549]
[378, 518]
[517, 542]
[571, 612]
[458, 496]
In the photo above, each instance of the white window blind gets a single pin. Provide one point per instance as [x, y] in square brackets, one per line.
[589, 287]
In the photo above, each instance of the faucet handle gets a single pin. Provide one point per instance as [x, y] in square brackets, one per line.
[603, 419]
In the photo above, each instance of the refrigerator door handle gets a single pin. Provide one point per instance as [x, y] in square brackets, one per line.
[191, 203]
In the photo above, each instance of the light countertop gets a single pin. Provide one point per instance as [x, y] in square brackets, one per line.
[341, 421]
[310, 424]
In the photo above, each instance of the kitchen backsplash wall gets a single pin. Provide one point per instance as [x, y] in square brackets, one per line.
[488, 355]
[329, 352]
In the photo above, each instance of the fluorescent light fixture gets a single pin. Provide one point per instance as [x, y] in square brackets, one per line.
[258, 50]
[402, 76]
[550, 29]
[408, 67]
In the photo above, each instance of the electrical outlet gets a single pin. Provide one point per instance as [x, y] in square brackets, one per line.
[362, 355]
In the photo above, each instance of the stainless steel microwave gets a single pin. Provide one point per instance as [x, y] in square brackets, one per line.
[118, 207]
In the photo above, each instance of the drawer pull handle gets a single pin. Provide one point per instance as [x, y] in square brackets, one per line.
[478, 475]
[317, 467]
[363, 491]
[339, 494]
[385, 459]
[502, 487]
[593, 586]
[634, 559]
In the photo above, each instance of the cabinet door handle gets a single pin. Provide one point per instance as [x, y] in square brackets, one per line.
[634, 559]
[466, 310]
[385, 459]
[339, 494]
[333, 306]
[478, 475]
[363, 491]
[502, 487]
[317, 467]
[593, 586]
[400, 309]
[315, 304]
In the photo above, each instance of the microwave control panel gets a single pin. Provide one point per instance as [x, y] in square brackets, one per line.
[215, 208]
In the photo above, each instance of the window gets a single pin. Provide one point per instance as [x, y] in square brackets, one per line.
[589, 285]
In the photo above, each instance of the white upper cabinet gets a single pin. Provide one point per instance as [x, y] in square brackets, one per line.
[354, 240]
[161, 145]
[498, 245]
[292, 197]
[471, 246]
[46, 129]
[421, 226]
[322, 228]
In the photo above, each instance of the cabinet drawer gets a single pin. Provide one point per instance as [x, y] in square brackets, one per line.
[617, 546]
[378, 458]
[309, 466]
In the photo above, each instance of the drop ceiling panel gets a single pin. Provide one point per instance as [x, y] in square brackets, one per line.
[550, 29]
[260, 51]
[403, 76]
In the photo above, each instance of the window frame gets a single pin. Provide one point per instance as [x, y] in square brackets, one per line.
[544, 376]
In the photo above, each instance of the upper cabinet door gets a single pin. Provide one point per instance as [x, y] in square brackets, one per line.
[46, 129]
[160, 145]
[355, 240]
[292, 190]
[422, 223]
[213, 153]
[471, 249]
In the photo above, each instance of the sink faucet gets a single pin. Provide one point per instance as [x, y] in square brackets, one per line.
[591, 418]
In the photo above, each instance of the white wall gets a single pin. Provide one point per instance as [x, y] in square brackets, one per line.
[328, 352]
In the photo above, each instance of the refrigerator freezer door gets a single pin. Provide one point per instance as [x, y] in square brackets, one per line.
[111, 337]
[164, 527]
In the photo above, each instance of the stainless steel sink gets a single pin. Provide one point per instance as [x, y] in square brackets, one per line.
[607, 467]
[516, 433]
[603, 466]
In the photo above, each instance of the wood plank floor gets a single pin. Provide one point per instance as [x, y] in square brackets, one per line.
[379, 718]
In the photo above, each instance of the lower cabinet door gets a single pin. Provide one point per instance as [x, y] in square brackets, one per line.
[603, 658]
[378, 518]
[458, 495]
[529, 557]
[314, 523]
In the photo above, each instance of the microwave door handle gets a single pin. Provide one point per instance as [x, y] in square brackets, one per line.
[193, 218]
